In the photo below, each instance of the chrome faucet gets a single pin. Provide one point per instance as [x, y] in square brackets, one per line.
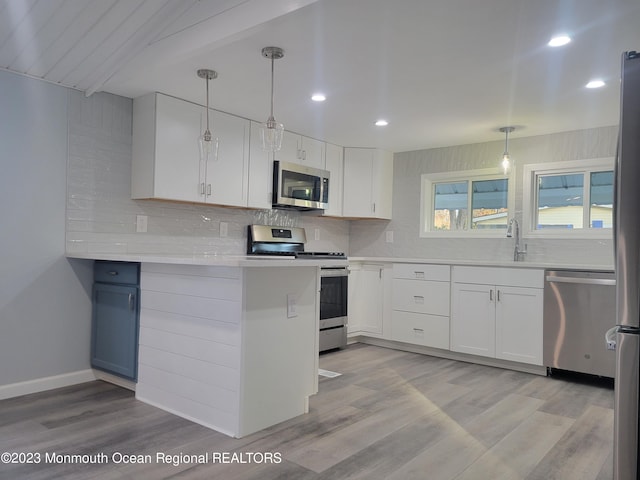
[518, 255]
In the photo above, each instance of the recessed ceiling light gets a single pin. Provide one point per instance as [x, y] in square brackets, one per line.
[595, 84]
[381, 123]
[559, 40]
[318, 97]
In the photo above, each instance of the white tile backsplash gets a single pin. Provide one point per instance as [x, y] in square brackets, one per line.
[101, 216]
[368, 238]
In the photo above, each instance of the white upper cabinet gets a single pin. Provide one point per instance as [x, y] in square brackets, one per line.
[302, 150]
[334, 161]
[260, 172]
[368, 183]
[227, 177]
[166, 158]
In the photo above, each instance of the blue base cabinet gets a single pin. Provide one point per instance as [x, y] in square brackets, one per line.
[115, 319]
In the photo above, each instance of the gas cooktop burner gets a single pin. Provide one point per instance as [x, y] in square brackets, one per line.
[316, 255]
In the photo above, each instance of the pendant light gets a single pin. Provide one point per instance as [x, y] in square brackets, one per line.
[506, 159]
[271, 131]
[207, 143]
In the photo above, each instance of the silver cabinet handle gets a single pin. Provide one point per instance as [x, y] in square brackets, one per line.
[208, 190]
[498, 295]
[419, 274]
[584, 281]
[491, 295]
[112, 273]
[418, 330]
[131, 302]
[418, 299]
[202, 191]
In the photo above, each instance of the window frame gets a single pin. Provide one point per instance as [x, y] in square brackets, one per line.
[531, 172]
[427, 203]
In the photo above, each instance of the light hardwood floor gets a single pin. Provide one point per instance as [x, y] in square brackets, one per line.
[390, 415]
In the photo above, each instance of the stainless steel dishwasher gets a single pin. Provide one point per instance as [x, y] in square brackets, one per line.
[579, 308]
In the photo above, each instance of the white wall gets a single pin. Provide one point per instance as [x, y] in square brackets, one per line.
[45, 304]
[102, 215]
[368, 237]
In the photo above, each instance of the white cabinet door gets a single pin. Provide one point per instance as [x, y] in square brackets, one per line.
[382, 188]
[227, 177]
[519, 324]
[313, 152]
[366, 297]
[176, 172]
[260, 194]
[358, 177]
[368, 183]
[301, 150]
[334, 163]
[290, 150]
[473, 319]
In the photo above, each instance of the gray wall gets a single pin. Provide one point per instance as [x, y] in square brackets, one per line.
[368, 238]
[45, 305]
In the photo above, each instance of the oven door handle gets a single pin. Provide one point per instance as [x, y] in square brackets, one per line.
[334, 271]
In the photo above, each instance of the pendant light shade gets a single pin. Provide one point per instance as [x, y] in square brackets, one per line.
[271, 131]
[207, 143]
[506, 163]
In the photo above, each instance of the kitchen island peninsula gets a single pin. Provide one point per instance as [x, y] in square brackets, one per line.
[228, 342]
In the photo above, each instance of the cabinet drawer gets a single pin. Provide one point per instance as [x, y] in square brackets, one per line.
[116, 272]
[514, 277]
[421, 296]
[421, 329]
[418, 271]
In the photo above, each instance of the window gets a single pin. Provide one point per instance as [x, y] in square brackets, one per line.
[474, 203]
[570, 199]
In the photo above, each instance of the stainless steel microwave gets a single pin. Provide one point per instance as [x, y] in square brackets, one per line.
[300, 187]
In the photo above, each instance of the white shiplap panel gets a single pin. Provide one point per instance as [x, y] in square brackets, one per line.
[70, 36]
[210, 395]
[23, 32]
[224, 422]
[211, 352]
[92, 40]
[35, 52]
[115, 45]
[218, 288]
[197, 270]
[204, 372]
[222, 310]
[203, 328]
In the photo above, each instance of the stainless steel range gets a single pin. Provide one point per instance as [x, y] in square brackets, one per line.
[290, 242]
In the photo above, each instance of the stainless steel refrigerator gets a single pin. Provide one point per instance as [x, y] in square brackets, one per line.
[627, 253]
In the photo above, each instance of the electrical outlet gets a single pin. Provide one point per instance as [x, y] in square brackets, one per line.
[224, 229]
[292, 305]
[389, 236]
[141, 223]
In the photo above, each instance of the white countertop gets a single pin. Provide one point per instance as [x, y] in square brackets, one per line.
[487, 263]
[277, 261]
[213, 260]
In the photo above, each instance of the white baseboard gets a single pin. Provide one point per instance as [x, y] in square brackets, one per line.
[121, 382]
[46, 383]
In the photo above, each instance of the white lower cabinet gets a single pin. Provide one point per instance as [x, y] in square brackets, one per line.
[497, 312]
[368, 299]
[421, 304]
